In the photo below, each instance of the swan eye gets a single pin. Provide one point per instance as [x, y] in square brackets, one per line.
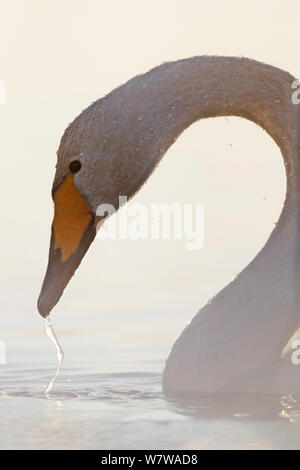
[75, 166]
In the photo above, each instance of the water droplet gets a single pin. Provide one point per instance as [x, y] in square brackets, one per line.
[59, 352]
[264, 198]
[284, 414]
[229, 146]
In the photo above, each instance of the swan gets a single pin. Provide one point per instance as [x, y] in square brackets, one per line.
[238, 341]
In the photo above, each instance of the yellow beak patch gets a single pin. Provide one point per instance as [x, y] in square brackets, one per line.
[72, 216]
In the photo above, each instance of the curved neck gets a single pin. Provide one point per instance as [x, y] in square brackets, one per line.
[122, 137]
[178, 94]
[259, 310]
[130, 130]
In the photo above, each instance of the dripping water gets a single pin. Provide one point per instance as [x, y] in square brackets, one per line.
[59, 351]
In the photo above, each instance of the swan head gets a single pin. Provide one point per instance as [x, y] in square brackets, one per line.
[98, 160]
[73, 230]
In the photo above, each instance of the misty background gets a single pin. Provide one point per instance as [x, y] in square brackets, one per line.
[56, 58]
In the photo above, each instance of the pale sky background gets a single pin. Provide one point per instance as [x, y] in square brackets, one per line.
[56, 57]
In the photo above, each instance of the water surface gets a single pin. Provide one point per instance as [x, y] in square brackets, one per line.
[109, 394]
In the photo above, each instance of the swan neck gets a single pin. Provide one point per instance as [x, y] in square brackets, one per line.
[246, 326]
[204, 87]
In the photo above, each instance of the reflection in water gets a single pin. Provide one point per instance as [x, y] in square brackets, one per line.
[248, 406]
[90, 409]
[129, 411]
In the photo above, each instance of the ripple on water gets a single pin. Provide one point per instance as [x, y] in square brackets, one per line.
[128, 389]
[129, 410]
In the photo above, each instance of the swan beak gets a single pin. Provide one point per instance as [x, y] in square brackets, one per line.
[73, 230]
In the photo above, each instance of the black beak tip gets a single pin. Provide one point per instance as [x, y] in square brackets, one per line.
[43, 311]
[59, 272]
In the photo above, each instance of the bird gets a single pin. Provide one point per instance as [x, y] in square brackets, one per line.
[240, 341]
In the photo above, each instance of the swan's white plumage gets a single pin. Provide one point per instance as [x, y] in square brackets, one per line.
[235, 342]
